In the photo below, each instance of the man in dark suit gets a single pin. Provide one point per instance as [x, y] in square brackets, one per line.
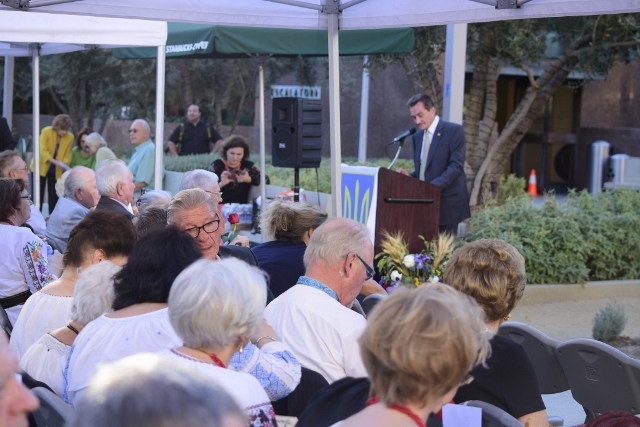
[115, 185]
[439, 150]
[6, 139]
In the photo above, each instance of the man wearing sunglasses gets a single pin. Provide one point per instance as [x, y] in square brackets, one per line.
[314, 316]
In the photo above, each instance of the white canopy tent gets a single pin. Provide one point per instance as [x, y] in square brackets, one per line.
[333, 15]
[34, 35]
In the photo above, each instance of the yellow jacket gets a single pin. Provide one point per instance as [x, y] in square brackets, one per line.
[48, 147]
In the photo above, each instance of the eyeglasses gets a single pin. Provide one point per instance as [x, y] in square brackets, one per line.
[133, 130]
[219, 194]
[467, 380]
[28, 197]
[370, 270]
[26, 169]
[142, 191]
[208, 228]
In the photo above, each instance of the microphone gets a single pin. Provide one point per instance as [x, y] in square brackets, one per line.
[403, 135]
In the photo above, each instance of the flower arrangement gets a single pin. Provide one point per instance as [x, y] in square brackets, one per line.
[397, 265]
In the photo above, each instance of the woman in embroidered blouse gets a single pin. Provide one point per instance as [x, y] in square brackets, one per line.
[237, 174]
[101, 235]
[92, 296]
[24, 268]
[55, 156]
[418, 347]
[139, 322]
[80, 155]
[215, 307]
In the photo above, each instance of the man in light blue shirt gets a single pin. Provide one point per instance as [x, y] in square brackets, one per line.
[141, 164]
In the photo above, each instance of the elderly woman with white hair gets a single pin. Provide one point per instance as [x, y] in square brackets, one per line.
[96, 145]
[93, 295]
[215, 307]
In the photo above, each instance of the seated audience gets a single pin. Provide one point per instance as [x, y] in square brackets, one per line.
[139, 322]
[289, 227]
[93, 295]
[146, 390]
[196, 213]
[492, 272]
[208, 181]
[101, 235]
[12, 166]
[237, 174]
[115, 185]
[313, 317]
[80, 195]
[418, 348]
[24, 268]
[16, 401]
[216, 308]
[152, 218]
[152, 198]
[97, 146]
[80, 155]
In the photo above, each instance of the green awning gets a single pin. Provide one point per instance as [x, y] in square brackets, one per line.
[198, 40]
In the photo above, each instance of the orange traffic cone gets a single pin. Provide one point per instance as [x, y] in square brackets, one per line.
[532, 188]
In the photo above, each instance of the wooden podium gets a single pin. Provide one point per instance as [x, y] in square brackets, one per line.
[409, 205]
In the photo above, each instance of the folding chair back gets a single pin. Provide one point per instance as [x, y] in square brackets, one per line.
[371, 301]
[53, 412]
[601, 377]
[541, 350]
[492, 416]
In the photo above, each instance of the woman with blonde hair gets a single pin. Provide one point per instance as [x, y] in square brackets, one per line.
[418, 348]
[492, 272]
[290, 226]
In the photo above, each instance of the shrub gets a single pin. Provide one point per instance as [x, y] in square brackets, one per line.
[587, 238]
[511, 186]
[609, 323]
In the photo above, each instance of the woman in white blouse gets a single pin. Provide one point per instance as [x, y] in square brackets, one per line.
[93, 296]
[24, 268]
[215, 307]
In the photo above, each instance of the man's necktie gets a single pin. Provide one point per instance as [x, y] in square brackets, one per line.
[426, 143]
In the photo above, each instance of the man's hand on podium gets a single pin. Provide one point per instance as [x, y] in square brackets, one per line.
[402, 171]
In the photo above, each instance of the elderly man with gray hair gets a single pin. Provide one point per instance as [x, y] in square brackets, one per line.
[314, 316]
[142, 160]
[115, 185]
[80, 196]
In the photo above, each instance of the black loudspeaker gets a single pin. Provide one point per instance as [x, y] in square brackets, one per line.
[296, 139]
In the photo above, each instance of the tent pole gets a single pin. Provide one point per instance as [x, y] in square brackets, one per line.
[263, 177]
[36, 126]
[334, 114]
[158, 168]
[7, 95]
[364, 112]
[454, 69]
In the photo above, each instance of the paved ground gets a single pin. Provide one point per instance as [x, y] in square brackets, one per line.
[574, 319]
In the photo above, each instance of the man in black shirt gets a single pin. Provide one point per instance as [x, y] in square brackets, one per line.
[6, 139]
[194, 136]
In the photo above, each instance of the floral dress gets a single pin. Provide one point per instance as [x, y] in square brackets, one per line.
[23, 265]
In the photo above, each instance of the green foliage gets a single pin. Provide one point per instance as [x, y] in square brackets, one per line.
[511, 186]
[587, 238]
[609, 323]
[282, 177]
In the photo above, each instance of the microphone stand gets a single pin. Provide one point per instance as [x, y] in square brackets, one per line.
[400, 145]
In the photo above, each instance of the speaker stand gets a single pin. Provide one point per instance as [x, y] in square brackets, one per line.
[296, 185]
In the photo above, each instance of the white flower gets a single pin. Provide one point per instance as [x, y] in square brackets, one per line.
[395, 275]
[409, 261]
[434, 279]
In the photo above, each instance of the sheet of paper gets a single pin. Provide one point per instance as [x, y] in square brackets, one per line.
[461, 416]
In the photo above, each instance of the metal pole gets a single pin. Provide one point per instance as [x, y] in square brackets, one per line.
[364, 112]
[545, 147]
[334, 115]
[263, 151]
[7, 95]
[36, 126]
[159, 170]
[454, 69]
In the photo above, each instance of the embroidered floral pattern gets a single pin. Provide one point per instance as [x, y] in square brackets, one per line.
[37, 265]
[261, 416]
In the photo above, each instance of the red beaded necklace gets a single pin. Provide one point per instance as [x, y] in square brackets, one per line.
[402, 409]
